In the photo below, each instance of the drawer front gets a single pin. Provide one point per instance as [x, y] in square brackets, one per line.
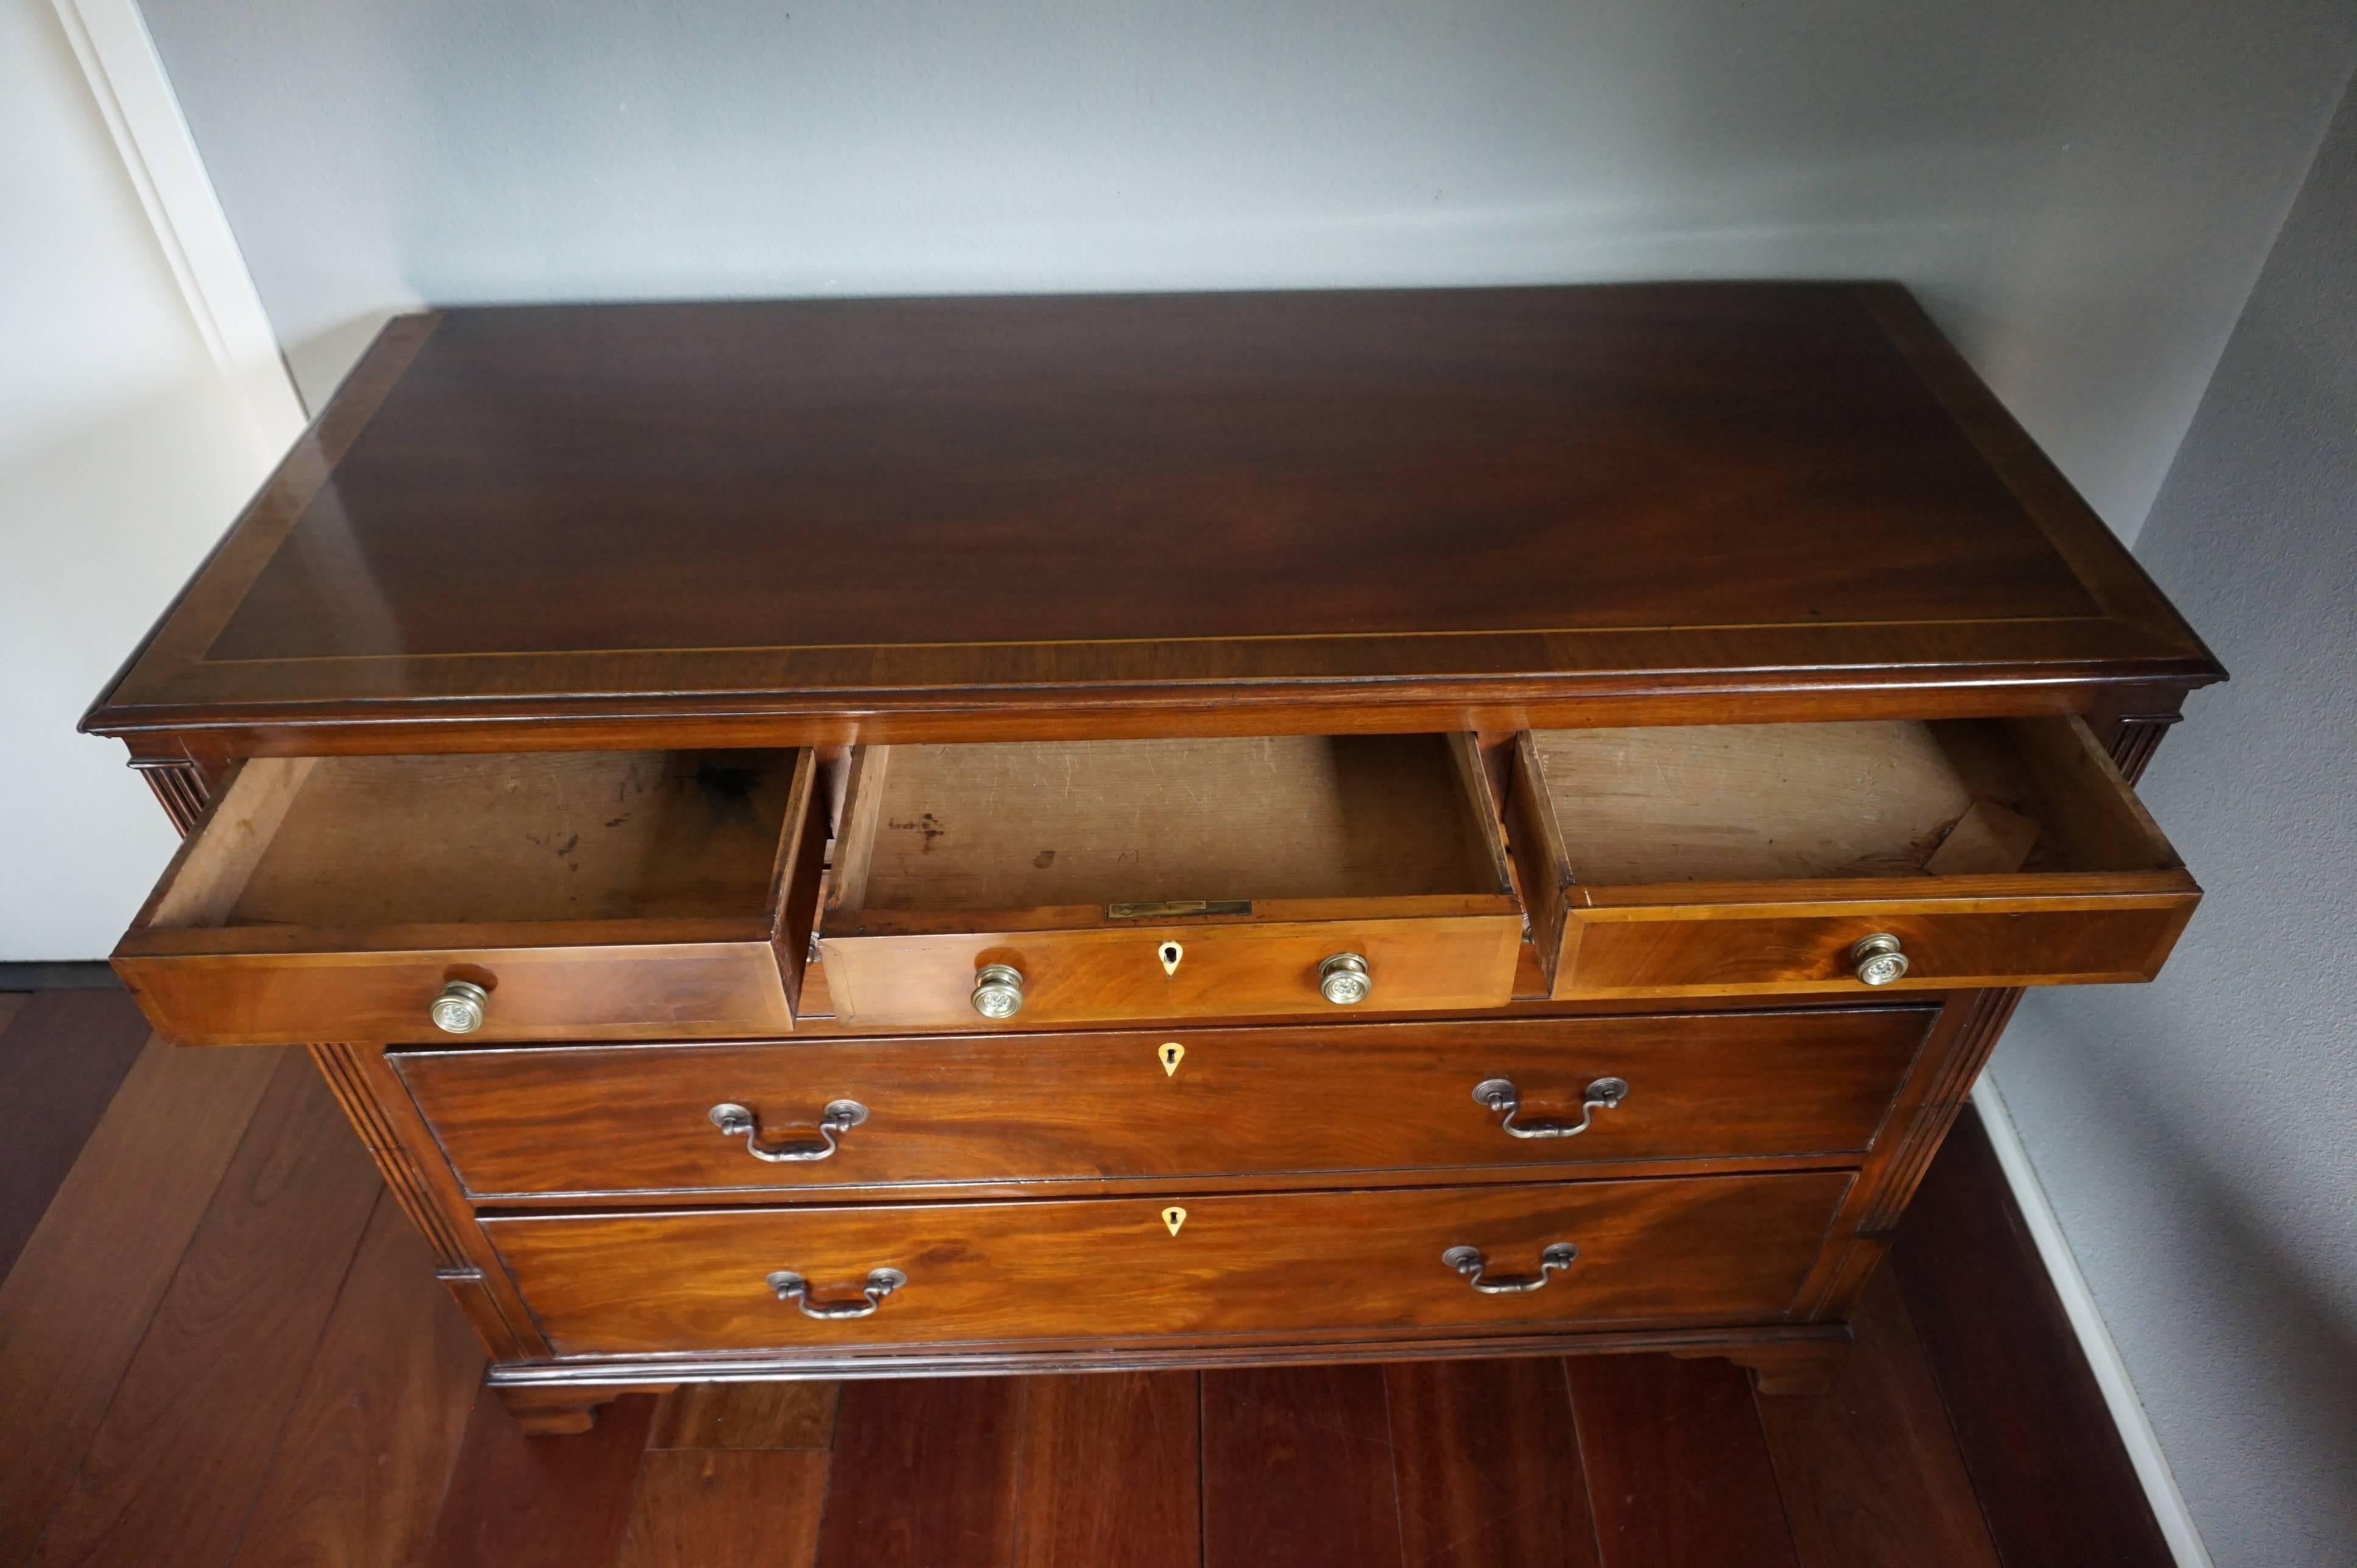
[1706, 950]
[1756, 860]
[623, 993]
[546, 895]
[921, 981]
[1715, 1249]
[1169, 1103]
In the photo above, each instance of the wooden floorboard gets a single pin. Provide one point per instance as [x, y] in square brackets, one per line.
[1110, 1473]
[1677, 1466]
[75, 1309]
[717, 1508]
[924, 1473]
[63, 1054]
[1297, 1470]
[360, 1470]
[221, 1346]
[746, 1416]
[1869, 1470]
[178, 1459]
[1488, 1466]
[2054, 1479]
[540, 1502]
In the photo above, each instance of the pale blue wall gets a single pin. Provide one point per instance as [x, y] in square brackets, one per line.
[2199, 1136]
[2082, 190]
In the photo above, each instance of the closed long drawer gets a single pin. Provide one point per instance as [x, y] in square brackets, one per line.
[1715, 1249]
[603, 1119]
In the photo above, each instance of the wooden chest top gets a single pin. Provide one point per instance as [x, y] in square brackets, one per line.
[950, 518]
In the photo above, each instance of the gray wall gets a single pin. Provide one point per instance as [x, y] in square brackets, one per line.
[2197, 1135]
[2082, 190]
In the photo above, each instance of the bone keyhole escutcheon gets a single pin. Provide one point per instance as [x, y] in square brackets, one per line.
[1170, 953]
[1174, 1217]
[1171, 1055]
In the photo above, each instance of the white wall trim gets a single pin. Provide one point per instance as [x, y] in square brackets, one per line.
[2094, 1337]
[126, 75]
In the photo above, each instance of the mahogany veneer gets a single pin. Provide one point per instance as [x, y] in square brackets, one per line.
[1004, 714]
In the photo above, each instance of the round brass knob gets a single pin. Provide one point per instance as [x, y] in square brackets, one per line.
[460, 1009]
[998, 990]
[1344, 980]
[1877, 960]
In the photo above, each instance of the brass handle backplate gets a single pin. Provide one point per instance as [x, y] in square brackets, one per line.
[881, 1282]
[461, 1008]
[1468, 1262]
[1877, 960]
[737, 1120]
[1500, 1095]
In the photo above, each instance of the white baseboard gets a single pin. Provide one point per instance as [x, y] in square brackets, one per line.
[126, 77]
[2087, 1321]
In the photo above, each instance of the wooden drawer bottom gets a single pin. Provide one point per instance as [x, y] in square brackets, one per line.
[1716, 1249]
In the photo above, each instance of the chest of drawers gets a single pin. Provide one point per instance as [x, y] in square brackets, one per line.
[857, 838]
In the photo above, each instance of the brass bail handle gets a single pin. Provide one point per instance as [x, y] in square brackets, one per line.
[735, 1120]
[1500, 1095]
[1467, 1261]
[791, 1286]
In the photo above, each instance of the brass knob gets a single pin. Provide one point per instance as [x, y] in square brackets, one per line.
[1344, 980]
[998, 990]
[460, 1009]
[1877, 959]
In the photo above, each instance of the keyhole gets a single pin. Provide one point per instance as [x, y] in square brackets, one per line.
[1174, 1217]
[1170, 953]
[1170, 1054]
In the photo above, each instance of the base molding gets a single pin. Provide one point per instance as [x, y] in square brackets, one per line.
[1782, 1350]
[562, 1409]
[1798, 1368]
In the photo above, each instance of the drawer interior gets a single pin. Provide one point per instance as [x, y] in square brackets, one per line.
[345, 842]
[1805, 801]
[1033, 825]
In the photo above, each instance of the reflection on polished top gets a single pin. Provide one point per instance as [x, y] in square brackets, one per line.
[834, 507]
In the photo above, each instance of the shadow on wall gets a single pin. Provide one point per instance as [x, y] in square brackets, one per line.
[2195, 1134]
[103, 525]
[2080, 197]
[2235, 1340]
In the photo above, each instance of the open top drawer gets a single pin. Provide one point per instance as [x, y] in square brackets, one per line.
[1734, 859]
[546, 894]
[1067, 882]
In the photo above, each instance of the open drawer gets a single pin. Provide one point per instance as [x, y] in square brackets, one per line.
[547, 895]
[1072, 882]
[1734, 859]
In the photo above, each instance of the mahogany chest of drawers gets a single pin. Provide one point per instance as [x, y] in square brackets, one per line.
[855, 838]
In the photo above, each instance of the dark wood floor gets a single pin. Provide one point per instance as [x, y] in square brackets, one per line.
[220, 1347]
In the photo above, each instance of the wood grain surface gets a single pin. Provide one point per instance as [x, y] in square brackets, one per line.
[1710, 1250]
[203, 1404]
[63, 1053]
[918, 490]
[1488, 1464]
[1111, 1473]
[2053, 1479]
[924, 1475]
[1076, 1107]
[356, 1480]
[1093, 1469]
[1677, 1468]
[1865, 1470]
[76, 1306]
[1297, 1468]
